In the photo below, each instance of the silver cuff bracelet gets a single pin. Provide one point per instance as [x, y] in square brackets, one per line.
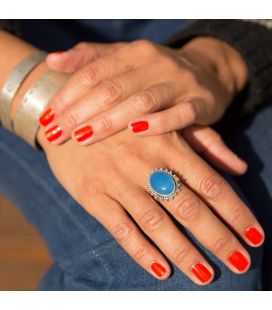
[26, 122]
[13, 83]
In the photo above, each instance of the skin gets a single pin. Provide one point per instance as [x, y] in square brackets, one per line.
[115, 86]
[203, 192]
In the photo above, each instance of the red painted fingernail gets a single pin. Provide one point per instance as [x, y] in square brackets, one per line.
[53, 133]
[201, 272]
[83, 133]
[158, 269]
[238, 260]
[47, 117]
[139, 126]
[253, 235]
[57, 53]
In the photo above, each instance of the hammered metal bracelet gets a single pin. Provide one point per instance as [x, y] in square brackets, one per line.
[26, 122]
[13, 84]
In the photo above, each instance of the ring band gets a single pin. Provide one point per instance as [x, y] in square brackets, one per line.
[163, 184]
[13, 84]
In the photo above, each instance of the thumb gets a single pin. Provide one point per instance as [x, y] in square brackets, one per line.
[208, 143]
[73, 59]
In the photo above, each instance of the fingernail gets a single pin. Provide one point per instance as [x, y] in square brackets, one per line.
[238, 260]
[47, 117]
[53, 133]
[201, 272]
[139, 126]
[253, 235]
[158, 269]
[83, 133]
[57, 53]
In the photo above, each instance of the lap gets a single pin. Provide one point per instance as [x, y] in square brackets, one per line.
[86, 256]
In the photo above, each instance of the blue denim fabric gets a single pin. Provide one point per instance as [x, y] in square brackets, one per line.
[85, 255]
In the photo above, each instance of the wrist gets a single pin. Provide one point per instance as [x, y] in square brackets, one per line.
[220, 58]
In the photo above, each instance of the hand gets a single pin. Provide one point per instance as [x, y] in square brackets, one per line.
[206, 204]
[149, 88]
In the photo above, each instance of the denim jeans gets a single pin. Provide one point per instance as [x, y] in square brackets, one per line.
[85, 255]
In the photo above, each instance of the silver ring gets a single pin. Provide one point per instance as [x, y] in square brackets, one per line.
[163, 184]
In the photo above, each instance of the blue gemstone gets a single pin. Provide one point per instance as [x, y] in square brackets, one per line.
[162, 183]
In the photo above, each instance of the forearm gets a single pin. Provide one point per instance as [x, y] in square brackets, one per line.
[12, 51]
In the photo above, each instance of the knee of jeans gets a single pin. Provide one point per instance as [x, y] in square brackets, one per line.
[109, 267]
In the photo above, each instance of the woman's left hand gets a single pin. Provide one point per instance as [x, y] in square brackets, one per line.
[150, 88]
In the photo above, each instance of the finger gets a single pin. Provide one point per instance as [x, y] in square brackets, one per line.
[206, 227]
[209, 144]
[157, 225]
[176, 117]
[215, 191]
[116, 221]
[84, 80]
[106, 97]
[75, 58]
[114, 120]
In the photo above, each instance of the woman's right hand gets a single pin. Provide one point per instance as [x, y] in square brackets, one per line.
[108, 179]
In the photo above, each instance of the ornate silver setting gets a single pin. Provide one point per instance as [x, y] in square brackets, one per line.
[160, 197]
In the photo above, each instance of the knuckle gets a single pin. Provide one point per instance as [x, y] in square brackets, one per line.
[139, 253]
[121, 232]
[236, 216]
[188, 208]
[88, 76]
[181, 253]
[189, 77]
[70, 119]
[145, 102]
[104, 124]
[211, 187]
[153, 220]
[111, 90]
[144, 45]
[81, 45]
[220, 243]
[190, 110]
[161, 124]
[169, 63]
[87, 189]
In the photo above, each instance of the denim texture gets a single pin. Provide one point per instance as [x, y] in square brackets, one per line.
[85, 255]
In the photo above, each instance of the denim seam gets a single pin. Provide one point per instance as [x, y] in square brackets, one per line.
[43, 185]
[106, 267]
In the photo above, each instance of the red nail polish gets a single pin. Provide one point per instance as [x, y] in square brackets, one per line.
[158, 269]
[238, 260]
[47, 117]
[201, 272]
[53, 133]
[253, 235]
[139, 126]
[83, 133]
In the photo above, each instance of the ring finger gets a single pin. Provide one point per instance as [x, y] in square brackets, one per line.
[156, 224]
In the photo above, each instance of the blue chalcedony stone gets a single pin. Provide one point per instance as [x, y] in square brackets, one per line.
[162, 183]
